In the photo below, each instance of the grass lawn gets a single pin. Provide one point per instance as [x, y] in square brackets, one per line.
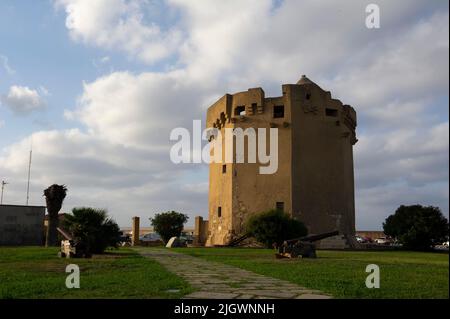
[36, 272]
[342, 273]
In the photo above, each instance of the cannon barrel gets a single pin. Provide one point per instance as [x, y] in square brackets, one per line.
[238, 240]
[314, 238]
[63, 233]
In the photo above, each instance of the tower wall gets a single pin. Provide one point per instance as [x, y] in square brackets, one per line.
[254, 192]
[322, 157]
[220, 185]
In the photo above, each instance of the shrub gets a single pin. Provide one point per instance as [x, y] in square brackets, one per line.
[417, 227]
[274, 227]
[94, 228]
[169, 224]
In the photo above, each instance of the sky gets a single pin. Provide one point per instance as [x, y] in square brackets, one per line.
[97, 86]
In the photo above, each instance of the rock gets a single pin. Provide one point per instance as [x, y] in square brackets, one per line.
[175, 242]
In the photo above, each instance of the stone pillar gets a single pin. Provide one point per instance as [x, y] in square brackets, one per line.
[135, 231]
[198, 230]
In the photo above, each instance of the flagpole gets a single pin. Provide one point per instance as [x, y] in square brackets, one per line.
[29, 172]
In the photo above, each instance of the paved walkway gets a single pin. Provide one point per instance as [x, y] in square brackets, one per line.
[214, 280]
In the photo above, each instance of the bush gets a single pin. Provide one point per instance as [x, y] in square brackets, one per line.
[417, 227]
[274, 227]
[169, 224]
[93, 227]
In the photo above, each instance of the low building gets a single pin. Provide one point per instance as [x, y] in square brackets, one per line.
[372, 234]
[149, 230]
[21, 225]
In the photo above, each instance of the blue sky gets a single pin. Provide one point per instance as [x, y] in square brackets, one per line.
[121, 74]
[41, 54]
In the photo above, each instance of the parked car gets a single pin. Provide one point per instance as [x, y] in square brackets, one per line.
[187, 238]
[360, 239]
[383, 241]
[150, 237]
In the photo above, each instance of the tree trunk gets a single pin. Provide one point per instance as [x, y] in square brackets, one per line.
[51, 239]
[54, 197]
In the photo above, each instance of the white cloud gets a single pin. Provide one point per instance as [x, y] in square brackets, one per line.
[44, 91]
[22, 100]
[407, 68]
[119, 24]
[395, 77]
[411, 156]
[101, 61]
[5, 63]
[138, 110]
[378, 202]
[124, 179]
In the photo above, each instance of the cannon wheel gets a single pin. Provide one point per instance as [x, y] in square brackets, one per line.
[309, 254]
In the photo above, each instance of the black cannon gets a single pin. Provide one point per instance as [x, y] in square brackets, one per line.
[71, 248]
[304, 247]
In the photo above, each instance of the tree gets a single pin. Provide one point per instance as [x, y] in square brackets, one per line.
[417, 227]
[54, 197]
[169, 224]
[94, 228]
[274, 227]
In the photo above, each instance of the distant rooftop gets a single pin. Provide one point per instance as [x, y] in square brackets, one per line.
[7, 205]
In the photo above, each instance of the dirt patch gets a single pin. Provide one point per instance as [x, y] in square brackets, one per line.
[110, 256]
[43, 266]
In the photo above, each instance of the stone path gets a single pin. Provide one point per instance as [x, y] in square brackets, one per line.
[215, 280]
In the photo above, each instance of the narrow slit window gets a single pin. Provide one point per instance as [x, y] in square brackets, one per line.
[224, 169]
[331, 112]
[254, 107]
[278, 111]
[239, 110]
[219, 211]
[280, 206]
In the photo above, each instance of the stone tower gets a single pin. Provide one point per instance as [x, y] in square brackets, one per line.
[314, 181]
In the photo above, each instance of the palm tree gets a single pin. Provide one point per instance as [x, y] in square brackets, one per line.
[93, 228]
[54, 197]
